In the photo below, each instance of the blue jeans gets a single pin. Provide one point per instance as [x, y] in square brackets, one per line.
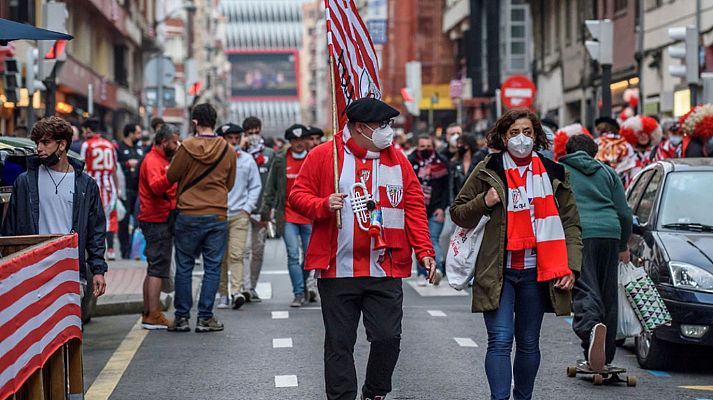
[522, 306]
[434, 231]
[294, 234]
[196, 235]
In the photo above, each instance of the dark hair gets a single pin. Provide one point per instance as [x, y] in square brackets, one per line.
[471, 141]
[166, 131]
[205, 115]
[252, 123]
[54, 127]
[269, 142]
[92, 124]
[582, 143]
[424, 136]
[497, 133]
[129, 128]
[156, 121]
[453, 125]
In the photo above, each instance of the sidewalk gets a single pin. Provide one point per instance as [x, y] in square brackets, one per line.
[124, 289]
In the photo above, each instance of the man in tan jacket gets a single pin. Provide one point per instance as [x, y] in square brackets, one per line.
[204, 168]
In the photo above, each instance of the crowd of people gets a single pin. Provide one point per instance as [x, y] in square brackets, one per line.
[558, 221]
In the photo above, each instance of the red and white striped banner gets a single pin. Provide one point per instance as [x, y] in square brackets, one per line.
[356, 68]
[39, 308]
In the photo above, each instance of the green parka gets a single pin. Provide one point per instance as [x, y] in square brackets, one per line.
[469, 207]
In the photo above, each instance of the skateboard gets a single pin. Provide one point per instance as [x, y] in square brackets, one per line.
[609, 375]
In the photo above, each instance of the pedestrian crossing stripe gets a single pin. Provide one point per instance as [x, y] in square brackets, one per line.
[465, 342]
[706, 388]
[282, 381]
[436, 313]
[280, 314]
[281, 343]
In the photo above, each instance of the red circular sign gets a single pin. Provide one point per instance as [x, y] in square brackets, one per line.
[518, 91]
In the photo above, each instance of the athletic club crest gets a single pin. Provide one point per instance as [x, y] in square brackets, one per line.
[395, 193]
[365, 174]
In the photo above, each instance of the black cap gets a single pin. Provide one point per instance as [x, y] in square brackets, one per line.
[370, 110]
[606, 120]
[296, 131]
[229, 128]
[313, 130]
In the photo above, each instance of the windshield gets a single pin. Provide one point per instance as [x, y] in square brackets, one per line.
[687, 199]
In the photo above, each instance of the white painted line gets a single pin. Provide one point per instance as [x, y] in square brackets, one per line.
[465, 342]
[285, 381]
[311, 308]
[282, 343]
[274, 272]
[280, 314]
[264, 290]
[436, 313]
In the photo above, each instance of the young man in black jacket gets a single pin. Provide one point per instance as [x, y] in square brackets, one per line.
[55, 196]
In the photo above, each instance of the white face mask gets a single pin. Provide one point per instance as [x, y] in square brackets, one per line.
[676, 140]
[381, 137]
[300, 155]
[520, 146]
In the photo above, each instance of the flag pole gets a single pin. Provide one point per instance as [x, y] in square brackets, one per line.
[335, 127]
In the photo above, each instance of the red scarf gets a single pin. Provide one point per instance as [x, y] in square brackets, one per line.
[548, 237]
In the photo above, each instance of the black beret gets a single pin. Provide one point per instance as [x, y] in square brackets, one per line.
[229, 128]
[370, 110]
[606, 120]
[313, 130]
[296, 131]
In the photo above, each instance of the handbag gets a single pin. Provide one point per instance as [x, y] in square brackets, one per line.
[646, 301]
[462, 254]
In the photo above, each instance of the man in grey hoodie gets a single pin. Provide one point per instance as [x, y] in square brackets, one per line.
[606, 226]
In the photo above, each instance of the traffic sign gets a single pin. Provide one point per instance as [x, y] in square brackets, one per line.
[159, 70]
[518, 91]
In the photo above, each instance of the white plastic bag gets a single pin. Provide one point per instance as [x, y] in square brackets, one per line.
[462, 253]
[628, 324]
[120, 210]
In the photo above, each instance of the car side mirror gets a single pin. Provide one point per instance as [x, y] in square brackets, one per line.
[636, 227]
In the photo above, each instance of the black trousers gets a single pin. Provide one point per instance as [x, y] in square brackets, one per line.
[343, 301]
[125, 236]
[595, 295]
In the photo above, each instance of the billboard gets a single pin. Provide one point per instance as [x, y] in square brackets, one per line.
[264, 74]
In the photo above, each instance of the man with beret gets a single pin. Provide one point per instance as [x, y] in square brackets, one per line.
[360, 266]
[294, 227]
[242, 201]
[315, 136]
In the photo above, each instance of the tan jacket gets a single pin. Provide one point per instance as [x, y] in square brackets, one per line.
[210, 195]
[469, 207]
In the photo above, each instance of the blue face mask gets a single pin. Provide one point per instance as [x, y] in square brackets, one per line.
[676, 140]
[300, 155]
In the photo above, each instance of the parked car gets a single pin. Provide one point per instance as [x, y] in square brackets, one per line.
[673, 242]
[13, 162]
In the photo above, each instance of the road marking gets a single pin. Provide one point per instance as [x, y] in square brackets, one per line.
[280, 314]
[311, 308]
[285, 381]
[442, 290]
[569, 320]
[282, 343]
[436, 313]
[706, 388]
[465, 342]
[659, 374]
[264, 290]
[114, 369]
[274, 272]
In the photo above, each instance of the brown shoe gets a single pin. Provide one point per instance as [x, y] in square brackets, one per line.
[155, 321]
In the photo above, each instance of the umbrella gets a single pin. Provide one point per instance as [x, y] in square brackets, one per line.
[11, 30]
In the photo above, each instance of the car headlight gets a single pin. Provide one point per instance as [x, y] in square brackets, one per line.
[689, 276]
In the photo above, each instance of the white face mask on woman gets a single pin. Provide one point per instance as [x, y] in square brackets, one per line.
[520, 146]
[381, 137]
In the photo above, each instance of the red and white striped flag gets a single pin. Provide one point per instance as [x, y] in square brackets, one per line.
[39, 308]
[356, 68]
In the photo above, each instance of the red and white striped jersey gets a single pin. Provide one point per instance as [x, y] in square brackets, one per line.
[100, 163]
[39, 308]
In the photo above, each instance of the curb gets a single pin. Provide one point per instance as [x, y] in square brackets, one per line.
[127, 304]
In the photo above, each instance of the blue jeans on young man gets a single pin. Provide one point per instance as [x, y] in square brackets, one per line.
[296, 236]
[196, 235]
[519, 316]
[434, 231]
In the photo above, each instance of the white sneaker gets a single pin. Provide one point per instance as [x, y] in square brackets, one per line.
[422, 281]
[223, 302]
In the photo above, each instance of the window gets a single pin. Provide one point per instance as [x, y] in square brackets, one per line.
[646, 205]
[620, 5]
[638, 187]
[516, 53]
[680, 189]
[121, 73]
[22, 11]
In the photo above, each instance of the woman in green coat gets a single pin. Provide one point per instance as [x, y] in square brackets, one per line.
[531, 249]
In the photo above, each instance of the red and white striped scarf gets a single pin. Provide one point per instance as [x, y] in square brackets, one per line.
[548, 236]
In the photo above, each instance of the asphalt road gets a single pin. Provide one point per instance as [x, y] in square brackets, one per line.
[443, 350]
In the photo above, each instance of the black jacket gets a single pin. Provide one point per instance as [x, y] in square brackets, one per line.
[126, 153]
[88, 220]
[440, 186]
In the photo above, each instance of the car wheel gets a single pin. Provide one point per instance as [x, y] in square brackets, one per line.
[651, 353]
